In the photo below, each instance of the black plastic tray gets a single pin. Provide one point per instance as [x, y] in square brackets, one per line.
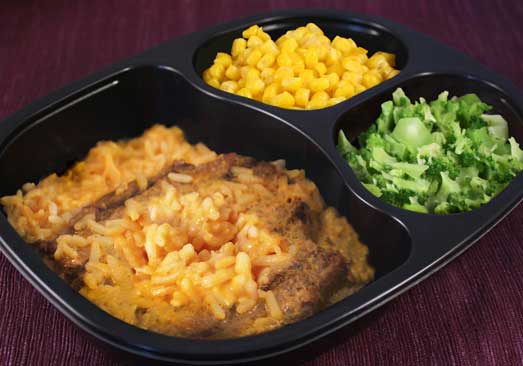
[163, 85]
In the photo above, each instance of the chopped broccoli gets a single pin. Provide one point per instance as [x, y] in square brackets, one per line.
[442, 157]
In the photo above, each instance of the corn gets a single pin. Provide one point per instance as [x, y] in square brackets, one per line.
[229, 86]
[307, 76]
[371, 78]
[302, 69]
[232, 72]
[318, 100]
[291, 84]
[333, 80]
[217, 71]
[251, 31]
[284, 60]
[238, 46]
[320, 68]
[255, 86]
[392, 73]
[289, 45]
[267, 75]
[311, 58]
[214, 83]
[269, 47]
[254, 57]
[335, 100]
[301, 98]
[343, 45]
[244, 92]
[320, 84]
[283, 72]
[254, 42]
[270, 91]
[283, 100]
[344, 89]
[223, 59]
[266, 61]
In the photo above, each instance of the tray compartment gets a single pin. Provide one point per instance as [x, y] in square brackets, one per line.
[126, 104]
[360, 117]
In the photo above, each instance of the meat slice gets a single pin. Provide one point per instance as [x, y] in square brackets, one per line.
[287, 208]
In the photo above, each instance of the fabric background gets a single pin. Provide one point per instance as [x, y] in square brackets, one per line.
[469, 313]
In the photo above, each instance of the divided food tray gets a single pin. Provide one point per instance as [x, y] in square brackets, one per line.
[163, 85]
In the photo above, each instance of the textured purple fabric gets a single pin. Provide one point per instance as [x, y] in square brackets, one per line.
[469, 313]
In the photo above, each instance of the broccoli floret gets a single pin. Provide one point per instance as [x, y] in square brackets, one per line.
[399, 198]
[467, 159]
[441, 164]
[443, 157]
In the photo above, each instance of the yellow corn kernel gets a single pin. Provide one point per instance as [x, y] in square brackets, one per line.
[344, 45]
[371, 79]
[251, 31]
[217, 71]
[206, 76]
[267, 75]
[316, 104]
[337, 68]
[320, 84]
[270, 91]
[289, 45]
[253, 57]
[310, 57]
[359, 54]
[335, 100]
[232, 72]
[301, 97]
[283, 73]
[333, 57]
[358, 88]
[255, 85]
[377, 61]
[284, 60]
[344, 89]
[313, 28]
[214, 82]
[306, 76]
[351, 64]
[223, 59]
[353, 77]
[300, 32]
[229, 86]
[385, 70]
[297, 65]
[244, 92]
[262, 35]
[291, 84]
[391, 58]
[392, 73]
[322, 52]
[269, 47]
[250, 73]
[320, 68]
[254, 42]
[238, 46]
[333, 80]
[267, 60]
[283, 100]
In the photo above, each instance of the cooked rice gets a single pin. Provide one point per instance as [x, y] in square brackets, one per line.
[180, 242]
[42, 211]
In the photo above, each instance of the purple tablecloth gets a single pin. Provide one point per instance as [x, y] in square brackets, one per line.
[469, 313]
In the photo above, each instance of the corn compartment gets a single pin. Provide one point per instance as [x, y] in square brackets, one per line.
[302, 69]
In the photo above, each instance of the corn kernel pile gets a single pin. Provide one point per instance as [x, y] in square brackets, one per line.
[303, 69]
